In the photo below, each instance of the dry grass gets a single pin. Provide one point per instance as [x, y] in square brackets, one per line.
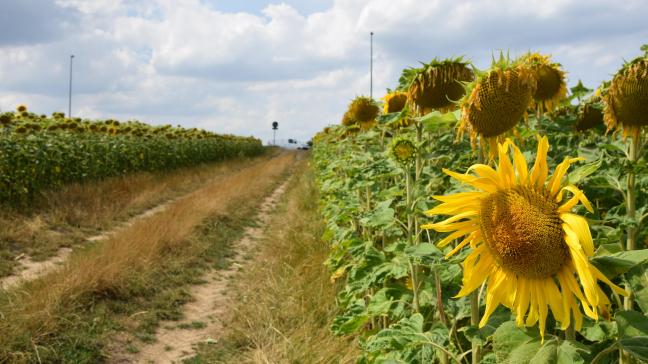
[284, 301]
[34, 313]
[64, 217]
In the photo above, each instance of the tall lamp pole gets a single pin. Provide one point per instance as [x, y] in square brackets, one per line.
[275, 126]
[371, 66]
[70, 89]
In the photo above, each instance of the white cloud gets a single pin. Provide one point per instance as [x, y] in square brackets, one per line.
[184, 61]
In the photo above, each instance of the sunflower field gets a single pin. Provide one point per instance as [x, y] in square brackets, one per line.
[491, 216]
[38, 152]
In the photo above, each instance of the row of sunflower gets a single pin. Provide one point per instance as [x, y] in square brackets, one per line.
[522, 243]
[39, 152]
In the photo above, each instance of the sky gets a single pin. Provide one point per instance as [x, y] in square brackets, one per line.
[237, 66]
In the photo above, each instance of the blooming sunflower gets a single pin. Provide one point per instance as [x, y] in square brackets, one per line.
[550, 78]
[525, 242]
[5, 119]
[626, 101]
[498, 100]
[21, 108]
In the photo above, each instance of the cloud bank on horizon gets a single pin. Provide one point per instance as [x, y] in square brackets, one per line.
[234, 67]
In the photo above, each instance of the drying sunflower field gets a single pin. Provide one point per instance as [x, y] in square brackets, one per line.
[491, 216]
[38, 152]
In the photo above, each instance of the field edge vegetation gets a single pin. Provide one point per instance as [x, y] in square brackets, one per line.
[286, 289]
[118, 290]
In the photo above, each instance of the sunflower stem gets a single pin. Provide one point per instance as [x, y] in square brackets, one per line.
[419, 139]
[410, 236]
[442, 316]
[474, 321]
[570, 333]
[631, 210]
[631, 194]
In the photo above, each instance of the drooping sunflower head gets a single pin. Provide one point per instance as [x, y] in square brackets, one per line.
[626, 102]
[590, 114]
[21, 108]
[438, 85]
[403, 150]
[363, 109]
[5, 119]
[524, 240]
[347, 120]
[498, 100]
[394, 101]
[550, 79]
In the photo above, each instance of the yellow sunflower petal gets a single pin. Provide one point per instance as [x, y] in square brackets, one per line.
[532, 317]
[520, 166]
[451, 209]
[449, 227]
[579, 196]
[601, 277]
[505, 168]
[540, 169]
[554, 298]
[579, 225]
[582, 265]
[568, 278]
[460, 197]
[456, 235]
[522, 300]
[461, 245]
[475, 273]
[559, 173]
[542, 308]
[487, 172]
[497, 293]
[481, 183]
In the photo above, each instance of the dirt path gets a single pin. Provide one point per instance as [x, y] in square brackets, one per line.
[29, 269]
[175, 339]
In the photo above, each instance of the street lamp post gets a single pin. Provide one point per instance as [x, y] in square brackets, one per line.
[70, 89]
[371, 66]
[275, 126]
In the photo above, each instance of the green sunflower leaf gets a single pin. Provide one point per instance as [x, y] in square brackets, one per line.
[631, 323]
[515, 345]
[618, 263]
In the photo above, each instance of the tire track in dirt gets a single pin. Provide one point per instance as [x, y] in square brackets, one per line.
[203, 316]
[29, 269]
